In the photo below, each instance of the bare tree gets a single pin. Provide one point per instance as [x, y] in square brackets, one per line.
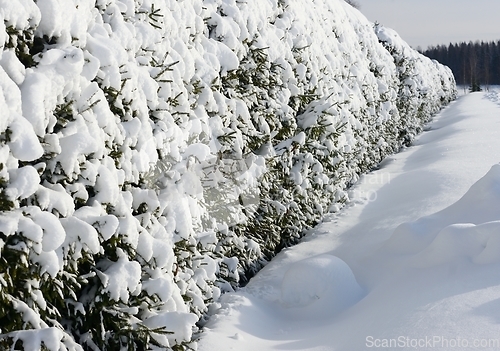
[353, 3]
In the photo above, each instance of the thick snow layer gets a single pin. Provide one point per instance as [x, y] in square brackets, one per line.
[23, 182]
[319, 285]
[153, 152]
[421, 238]
[122, 278]
[178, 324]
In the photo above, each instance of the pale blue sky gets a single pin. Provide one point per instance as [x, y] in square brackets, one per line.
[431, 22]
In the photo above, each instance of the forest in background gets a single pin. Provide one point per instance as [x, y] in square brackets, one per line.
[473, 63]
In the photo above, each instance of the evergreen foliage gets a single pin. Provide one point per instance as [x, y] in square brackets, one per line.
[474, 86]
[473, 64]
[156, 154]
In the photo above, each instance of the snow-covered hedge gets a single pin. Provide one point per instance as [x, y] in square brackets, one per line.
[155, 153]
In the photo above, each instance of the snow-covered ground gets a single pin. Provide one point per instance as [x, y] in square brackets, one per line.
[413, 262]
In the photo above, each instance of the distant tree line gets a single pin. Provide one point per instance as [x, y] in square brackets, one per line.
[473, 63]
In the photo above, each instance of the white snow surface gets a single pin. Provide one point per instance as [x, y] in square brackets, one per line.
[421, 237]
[133, 124]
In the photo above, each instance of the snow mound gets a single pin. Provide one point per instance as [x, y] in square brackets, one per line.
[477, 243]
[468, 229]
[321, 283]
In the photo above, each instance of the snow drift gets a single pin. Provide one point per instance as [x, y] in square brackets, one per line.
[429, 283]
[324, 284]
[468, 229]
[152, 153]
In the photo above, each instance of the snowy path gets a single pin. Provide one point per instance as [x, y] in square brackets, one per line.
[428, 282]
